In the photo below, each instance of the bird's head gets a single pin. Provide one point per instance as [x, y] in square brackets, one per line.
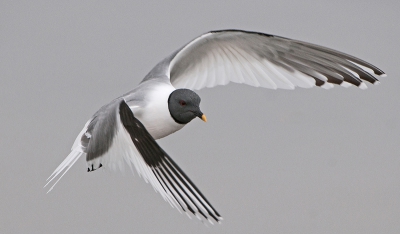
[183, 105]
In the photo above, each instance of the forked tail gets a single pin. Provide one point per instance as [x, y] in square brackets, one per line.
[64, 166]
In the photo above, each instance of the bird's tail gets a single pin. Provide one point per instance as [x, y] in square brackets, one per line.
[64, 166]
[76, 152]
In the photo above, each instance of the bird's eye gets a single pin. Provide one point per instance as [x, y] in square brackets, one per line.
[182, 103]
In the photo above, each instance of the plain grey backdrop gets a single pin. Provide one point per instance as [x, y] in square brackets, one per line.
[302, 161]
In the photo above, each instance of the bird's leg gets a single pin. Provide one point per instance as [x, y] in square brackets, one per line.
[90, 170]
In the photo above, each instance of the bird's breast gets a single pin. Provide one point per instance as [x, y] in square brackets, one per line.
[155, 115]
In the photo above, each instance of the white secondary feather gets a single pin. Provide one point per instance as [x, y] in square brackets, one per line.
[169, 182]
[123, 150]
[166, 179]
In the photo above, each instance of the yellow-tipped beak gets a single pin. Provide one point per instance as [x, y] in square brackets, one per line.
[204, 118]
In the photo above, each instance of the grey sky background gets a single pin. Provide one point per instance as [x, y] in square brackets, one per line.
[302, 161]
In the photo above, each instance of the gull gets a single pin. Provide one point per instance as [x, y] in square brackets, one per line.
[125, 130]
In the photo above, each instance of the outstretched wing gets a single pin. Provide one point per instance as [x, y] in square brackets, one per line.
[261, 60]
[162, 172]
[114, 135]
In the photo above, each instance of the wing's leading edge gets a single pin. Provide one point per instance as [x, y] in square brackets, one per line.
[261, 60]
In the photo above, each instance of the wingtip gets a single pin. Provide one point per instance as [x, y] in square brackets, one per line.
[327, 85]
[217, 219]
[345, 84]
[363, 86]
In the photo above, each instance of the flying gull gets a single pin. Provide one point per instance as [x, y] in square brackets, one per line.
[125, 130]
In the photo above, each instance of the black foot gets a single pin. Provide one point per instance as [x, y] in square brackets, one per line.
[92, 169]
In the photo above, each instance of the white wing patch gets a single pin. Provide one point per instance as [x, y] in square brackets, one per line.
[165, 178]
